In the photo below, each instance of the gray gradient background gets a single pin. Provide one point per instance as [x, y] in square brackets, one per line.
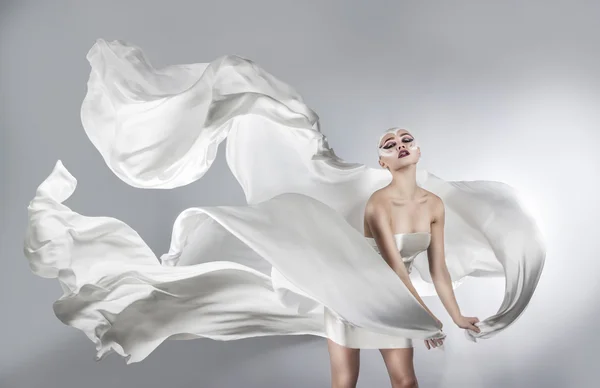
[493, 90]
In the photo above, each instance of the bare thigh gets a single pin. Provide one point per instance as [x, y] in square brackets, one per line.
[345, 363]
[399, 364]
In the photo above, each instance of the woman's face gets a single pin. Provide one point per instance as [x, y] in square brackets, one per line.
[398, 149]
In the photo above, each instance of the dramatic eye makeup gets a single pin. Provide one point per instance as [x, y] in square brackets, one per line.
[390, 142]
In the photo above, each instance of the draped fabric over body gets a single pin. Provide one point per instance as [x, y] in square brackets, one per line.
[270, 267]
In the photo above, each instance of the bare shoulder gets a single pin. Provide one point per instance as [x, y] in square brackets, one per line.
[435, 203]
[376, 202]
[376, 208]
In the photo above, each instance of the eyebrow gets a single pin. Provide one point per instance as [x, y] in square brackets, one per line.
[389, 138]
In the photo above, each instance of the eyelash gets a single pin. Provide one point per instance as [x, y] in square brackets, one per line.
[393, 144]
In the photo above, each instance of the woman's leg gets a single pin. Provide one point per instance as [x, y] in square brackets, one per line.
[345, 364]
[399, 364]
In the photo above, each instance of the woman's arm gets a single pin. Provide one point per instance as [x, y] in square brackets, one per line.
[377, 219]
[439, 270]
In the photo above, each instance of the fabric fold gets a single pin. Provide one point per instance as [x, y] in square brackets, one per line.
[118, 293]
[272, 266]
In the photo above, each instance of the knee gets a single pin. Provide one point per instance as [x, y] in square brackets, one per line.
[344, 380]
[404, 382]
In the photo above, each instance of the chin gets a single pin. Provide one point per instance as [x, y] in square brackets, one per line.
[405, 162]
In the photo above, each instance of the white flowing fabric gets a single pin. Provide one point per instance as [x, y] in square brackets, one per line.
[271, 267]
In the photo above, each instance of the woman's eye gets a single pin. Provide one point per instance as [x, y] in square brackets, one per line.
[407, 140]
[389, 145]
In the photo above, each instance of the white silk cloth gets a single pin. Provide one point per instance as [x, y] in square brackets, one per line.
[271, 267]
[352, 336]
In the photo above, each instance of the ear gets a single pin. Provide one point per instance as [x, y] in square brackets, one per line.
[381, 164]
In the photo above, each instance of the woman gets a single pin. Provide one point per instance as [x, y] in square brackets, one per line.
[294, 260]
[402, 219]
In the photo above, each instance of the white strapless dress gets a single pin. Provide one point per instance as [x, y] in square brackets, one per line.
[292, 261]
[345, 333]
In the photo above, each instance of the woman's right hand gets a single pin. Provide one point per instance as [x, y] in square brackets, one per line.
[429, 343]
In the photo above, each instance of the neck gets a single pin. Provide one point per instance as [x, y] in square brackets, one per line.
[404, 182]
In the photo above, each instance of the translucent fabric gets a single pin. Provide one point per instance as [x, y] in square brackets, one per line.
[271, 267]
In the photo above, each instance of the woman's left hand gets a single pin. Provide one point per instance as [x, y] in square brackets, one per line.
[467, 323]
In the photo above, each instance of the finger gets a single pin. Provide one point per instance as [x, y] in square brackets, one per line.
[427, 345]
[474, 328]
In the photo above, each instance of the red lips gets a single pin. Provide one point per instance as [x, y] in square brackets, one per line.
[403, 153]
